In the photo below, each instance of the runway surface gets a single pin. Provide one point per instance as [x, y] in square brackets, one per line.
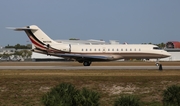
[90, 67]
[94, 66]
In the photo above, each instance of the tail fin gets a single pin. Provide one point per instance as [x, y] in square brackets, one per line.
[37, 36]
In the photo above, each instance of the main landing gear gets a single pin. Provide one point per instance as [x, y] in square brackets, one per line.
[87, 63]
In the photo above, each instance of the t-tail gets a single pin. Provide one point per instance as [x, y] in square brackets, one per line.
[40, 40]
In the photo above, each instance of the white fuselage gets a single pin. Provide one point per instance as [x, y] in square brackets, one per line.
[115, 51]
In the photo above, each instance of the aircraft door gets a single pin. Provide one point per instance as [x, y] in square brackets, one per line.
[69, 47]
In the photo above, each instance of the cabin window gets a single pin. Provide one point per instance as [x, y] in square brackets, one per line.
[121, 49]
[89, 49]
[139, 49]
[117, 49]
[134, 49]
[112, 49]
[130, 49]
[82, 50]
[126, 49]
[94, 49]
[99, 49]
[108, 49]
[86, 49]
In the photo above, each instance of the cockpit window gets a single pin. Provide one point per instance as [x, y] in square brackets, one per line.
[157, 48]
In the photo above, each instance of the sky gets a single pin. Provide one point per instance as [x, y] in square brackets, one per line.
[131, 21]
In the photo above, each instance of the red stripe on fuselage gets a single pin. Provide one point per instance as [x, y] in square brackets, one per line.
[39, 45]
[36, 43]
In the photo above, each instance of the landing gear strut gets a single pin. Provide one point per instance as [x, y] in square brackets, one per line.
[159, 65]
[87, 63]
[157, 62]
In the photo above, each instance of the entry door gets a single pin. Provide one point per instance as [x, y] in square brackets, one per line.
[69, 47]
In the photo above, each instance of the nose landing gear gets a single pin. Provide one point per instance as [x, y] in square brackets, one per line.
[157, 62]
[159, 65]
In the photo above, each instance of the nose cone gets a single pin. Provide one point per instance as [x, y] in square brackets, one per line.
[166, 54]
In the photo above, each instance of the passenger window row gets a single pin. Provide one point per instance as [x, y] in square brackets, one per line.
[111, 49]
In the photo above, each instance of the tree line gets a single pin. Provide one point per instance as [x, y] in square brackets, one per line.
[160, 45]
[19, 46]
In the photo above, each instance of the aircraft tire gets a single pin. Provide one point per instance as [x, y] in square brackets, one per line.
[86, 63]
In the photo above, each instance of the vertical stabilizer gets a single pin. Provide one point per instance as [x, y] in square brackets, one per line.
[43, 42]
[37, 36]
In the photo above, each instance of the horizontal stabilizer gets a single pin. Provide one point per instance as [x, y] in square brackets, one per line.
[21, 29]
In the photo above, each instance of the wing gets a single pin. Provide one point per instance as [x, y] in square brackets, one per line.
[78, 57]
[81, 57]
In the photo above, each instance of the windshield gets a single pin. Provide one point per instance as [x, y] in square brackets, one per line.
[156, 48]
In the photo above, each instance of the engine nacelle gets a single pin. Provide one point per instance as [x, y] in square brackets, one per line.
[62, 47]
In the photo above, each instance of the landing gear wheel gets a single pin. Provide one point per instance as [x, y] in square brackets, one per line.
[86, 63]
[157, 64]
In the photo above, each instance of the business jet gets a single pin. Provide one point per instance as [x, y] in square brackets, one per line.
[87, 54]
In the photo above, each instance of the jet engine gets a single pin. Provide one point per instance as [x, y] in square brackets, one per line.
[61, 47]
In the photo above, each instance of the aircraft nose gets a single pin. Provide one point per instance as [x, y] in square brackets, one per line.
[166, 54]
